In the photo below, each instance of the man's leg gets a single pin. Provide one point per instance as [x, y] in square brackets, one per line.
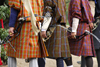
[41, 62]
[33, 62]
[59, 62]
[83, 62]
[12, 62]
[68, 62]
[98, 56]
[89, 61]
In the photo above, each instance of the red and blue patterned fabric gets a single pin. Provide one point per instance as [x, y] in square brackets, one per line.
[81, 9]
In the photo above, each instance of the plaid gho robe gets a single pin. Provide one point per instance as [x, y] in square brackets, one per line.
[27, 43]
[81, 9]
[57, 45]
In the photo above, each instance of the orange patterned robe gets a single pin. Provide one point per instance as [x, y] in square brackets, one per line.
[26, 44]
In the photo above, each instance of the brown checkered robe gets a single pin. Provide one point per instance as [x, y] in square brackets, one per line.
[57, 45]
[27, 44]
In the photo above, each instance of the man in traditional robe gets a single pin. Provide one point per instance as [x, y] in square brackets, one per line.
[57, 45]
[81, 19]
[26, 44]
[96, 32]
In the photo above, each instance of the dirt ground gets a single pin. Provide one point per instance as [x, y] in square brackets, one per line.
[52, 62]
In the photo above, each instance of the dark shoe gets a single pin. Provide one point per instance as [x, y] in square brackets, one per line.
[27, 60]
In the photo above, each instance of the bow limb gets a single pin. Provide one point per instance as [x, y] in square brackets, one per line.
[93, 35]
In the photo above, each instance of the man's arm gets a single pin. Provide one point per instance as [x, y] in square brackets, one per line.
[46, 21]
[12, 20]
[13, 17]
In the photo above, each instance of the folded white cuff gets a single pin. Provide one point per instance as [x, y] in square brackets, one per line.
[46, 23]
[75, 24]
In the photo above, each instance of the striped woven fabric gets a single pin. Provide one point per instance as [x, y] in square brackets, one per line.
[57, 45]
[26, 44]
[81, 9]
[15, 3]
[36, 4]
[58, 10]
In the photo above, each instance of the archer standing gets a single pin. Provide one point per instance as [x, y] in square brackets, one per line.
[96, 32]
[26, 44]
[81, 19]
[57, 45]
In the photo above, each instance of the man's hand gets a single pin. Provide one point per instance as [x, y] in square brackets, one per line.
[43, 33]
[73, 35]
[91, 26]
[11, 31]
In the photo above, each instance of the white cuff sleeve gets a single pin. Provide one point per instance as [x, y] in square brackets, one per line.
[46, 22]
[75, 24]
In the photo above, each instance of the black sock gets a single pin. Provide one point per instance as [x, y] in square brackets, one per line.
[68, 61]
[41, 62]
[59, 62]
[89, 61]
[83, 62]
[98, 56]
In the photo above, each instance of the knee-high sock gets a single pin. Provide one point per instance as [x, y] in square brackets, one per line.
[68, 62]
[41, 62]
[59, 62]
[98, 56]
[33, 62]
[89, 61]
[12, 62]
[83, 62]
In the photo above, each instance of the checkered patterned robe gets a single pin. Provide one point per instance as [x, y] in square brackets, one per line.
[57, 45]
[81, 9]
[26, 44]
